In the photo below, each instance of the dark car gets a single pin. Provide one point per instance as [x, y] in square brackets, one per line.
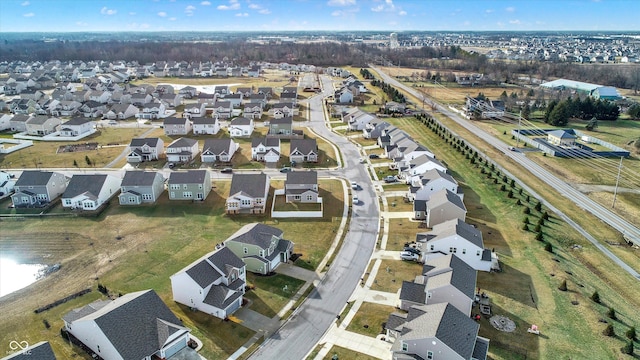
[226, 170]
[374, 156]
[285, 169]
[412, 250]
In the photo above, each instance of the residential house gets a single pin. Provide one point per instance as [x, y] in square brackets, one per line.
[253, 71]
[194, 110]
[136, 325]
[436, 331]
[189, 185]
[77, 126]
[93, 109]
[66, 108]
[281, 126]
[248, 194]
[266, 91]
[234, 99]
[100, 96]
[283, 109]
[222, 89]
[145, 149]
[406, 149]
[303, 150]
[7, 184]
[140, 187]
[218, 150]
[357, 119]
[176, 126]
[418, 166]
[171, 99]
[457, 237]
[89, 191]
[188, 92]
[5, 121]
[344, 96]
[244, 91]
[252, 110]
[18, 123]
[122, 112]
[394, 107]
[140, 98]
[152, 111]
[301, 186]
[265, 149]
[444, 205]
[205, 125]
[222, 109]
[182, 150]
[423, 186]
[38, 188]
[38, 351]
[561, 138]
[261, 247]
[444, 279]
[374, 129]
[43, 125]
[213, 284]
[241, 127]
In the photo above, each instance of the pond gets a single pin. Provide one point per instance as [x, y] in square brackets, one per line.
[14, 276]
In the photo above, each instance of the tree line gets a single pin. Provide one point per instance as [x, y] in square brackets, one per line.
[559, 113]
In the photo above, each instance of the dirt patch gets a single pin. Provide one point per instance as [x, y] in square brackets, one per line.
[77, 147]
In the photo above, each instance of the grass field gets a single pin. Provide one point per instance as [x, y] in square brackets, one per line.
[527, 289]
[155, 242]
[393, 272]
[369, 319]
[343, 353]
[402, 231]
[269, 294]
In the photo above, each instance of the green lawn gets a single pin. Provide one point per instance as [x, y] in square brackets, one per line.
[393, 272]
[346, 354]
[369, 319]
[269, 294]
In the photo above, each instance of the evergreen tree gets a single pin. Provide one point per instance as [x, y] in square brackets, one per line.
[595, 297]
[631, 333]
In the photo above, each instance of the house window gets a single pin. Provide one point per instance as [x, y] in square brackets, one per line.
[259, 201]
[132, 199]
[199, 186]
[430, 355]
[187, 194]
[405, 346]
[464, 251]
[67, 202]
[41, 196]
[146, 197]
[262, 253]
[174, 186]
[309, 197]
[296, 197]
[246, 202]
[172, 195]
[431, 247]
[184, 187]
[245, 250]
[478, 253]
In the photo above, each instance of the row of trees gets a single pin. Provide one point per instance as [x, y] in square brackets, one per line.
[392, 92]
[559, 113]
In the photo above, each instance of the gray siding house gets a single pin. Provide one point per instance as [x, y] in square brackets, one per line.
[189, 185]
[139, 187]
[301, 186]
[248, 194]
[261, 247]
[303, 150]
[38, 188]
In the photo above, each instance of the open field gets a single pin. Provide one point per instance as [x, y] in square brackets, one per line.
[526, 290]
[155, 242]
[269, 294]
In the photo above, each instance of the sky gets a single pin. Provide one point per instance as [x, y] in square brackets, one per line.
[332, 15]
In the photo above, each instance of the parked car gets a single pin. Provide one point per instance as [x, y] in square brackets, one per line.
[362, 160]
[354, 185]
[374, 156]
[226, 170]
[390, 179]
[409, 256]
[412, 250]
[355, 199]
[285, 169]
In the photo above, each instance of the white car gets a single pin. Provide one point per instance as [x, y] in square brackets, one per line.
[355, 199]
[354, 185]
[409, 256]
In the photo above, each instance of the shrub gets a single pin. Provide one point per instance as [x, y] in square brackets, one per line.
[537, 228]
[595, 297]
[563, 286]
[548, 247]
[538, 206]
[518, 202]
[611, 313]
[525, 227]
[627, 348]
[608, 331]
[526, 210]
[510, 194]
[631, 333]
[503, 188]
[541, 221]
[526, 220]
[539, 236]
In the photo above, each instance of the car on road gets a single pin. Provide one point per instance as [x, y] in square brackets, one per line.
[285, 169]
[227, 170]
[512, 148]
[390, 179]
[355, 199]
[362, 160]
[409, 256]
[374, 156]
[354, 185]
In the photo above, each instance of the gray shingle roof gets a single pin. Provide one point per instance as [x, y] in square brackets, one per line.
[288, 120]
[413, 292]
[239, 121]
[139, 142]
[445, 196]
[224, 257]
[174, 121]
[188, 177]
[256, 234]
[460, 228]
[217, 146]
[131, 324]
[139, 178]
[266, 141]
[251, 184]
[221, 296]
[203, 274]
[481, 348]
[39, 351]
[34, 177]
[81, 183]
[459, 274]
[304, 146]
[203, 120]
[302, 177]
[77, 121]
[182, 142]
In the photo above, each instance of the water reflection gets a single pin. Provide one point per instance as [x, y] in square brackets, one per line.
[14, 276]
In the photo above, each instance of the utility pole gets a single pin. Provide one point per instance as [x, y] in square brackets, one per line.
[518, 136]
[615, 192]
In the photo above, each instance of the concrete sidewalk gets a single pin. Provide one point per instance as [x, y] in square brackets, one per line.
[373, 347]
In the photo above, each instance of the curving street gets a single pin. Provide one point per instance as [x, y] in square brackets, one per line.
[580, 199]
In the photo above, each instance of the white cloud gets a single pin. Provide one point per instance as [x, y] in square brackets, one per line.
[242, 14]
[264, 11]
[26, 3]
[254, 6]
[337, 13]
[514, 22]
[162, 14]
[132, 13]
[377, 8]
[81, 23]
[341, 2]
[189, 10]
[402, 13]
[29, 14]
[510, 9]
[233, 5]
[489, 11]
[173, 19]
[205, 3]
[105, 11]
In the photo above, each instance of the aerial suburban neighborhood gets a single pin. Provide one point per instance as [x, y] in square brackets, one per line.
[319, 195]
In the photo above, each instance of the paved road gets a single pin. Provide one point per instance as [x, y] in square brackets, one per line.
[305, 328]
[572, 194]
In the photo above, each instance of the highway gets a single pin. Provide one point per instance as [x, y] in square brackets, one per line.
[310, 321]
[581, 200]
